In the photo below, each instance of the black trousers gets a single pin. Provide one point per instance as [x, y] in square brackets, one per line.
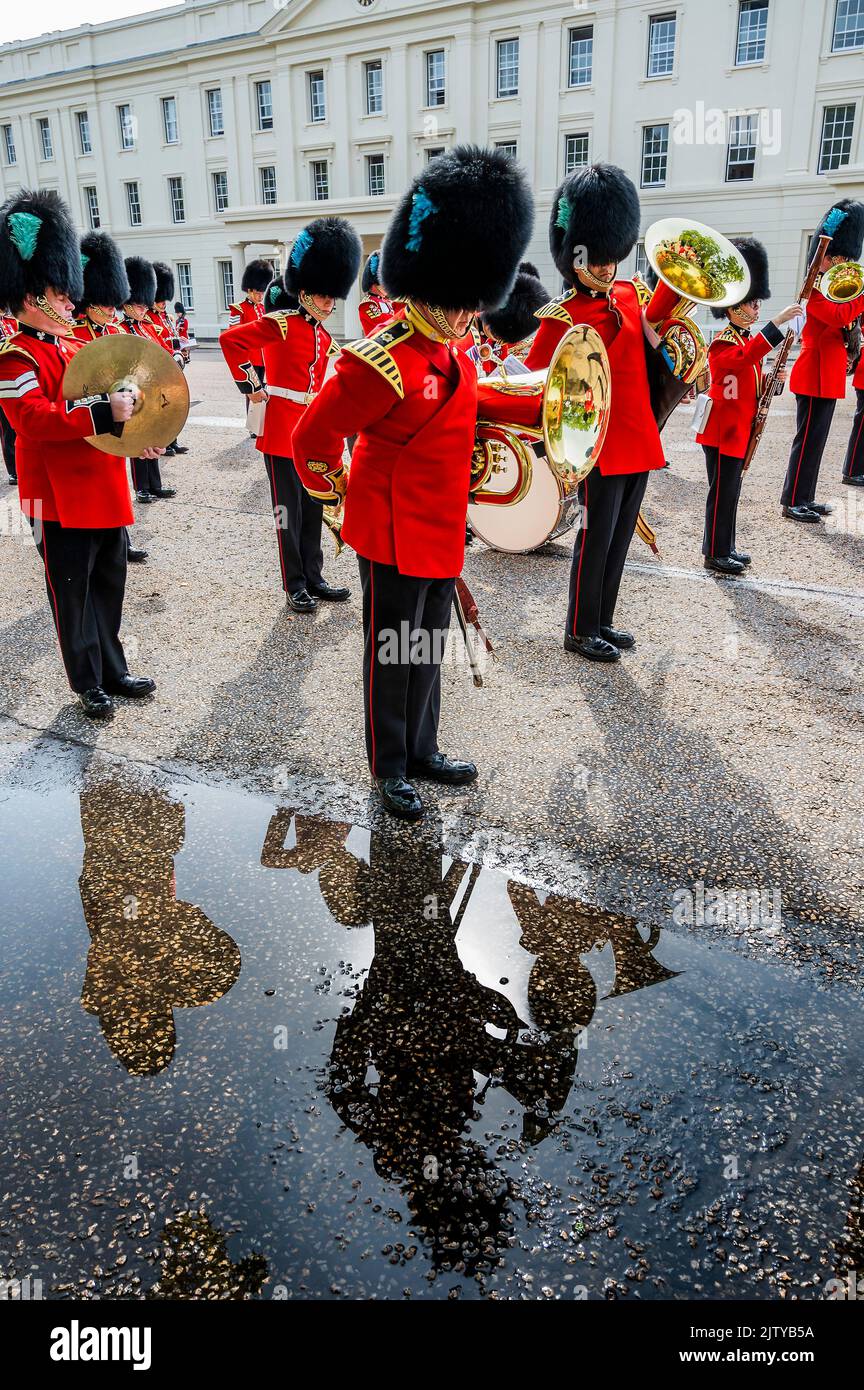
[405, 625]
[8, 437]
[146, 475]
[85, 576]
[853, 466]
[815, 414]
[298, 525]
[610, 507]
[721, 509]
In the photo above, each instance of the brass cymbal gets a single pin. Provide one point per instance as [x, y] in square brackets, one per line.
[120, 360]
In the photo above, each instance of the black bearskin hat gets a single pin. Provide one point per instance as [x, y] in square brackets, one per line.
[529, 268]
[142, 281]
[39, 248]
[324, 259]
[277, 297]
[257, 275]
[455, 238]
[178, 307]
[515, 319]
[371, 272]
[756, 257]
[105, 280]
[164, 282]
[596, 210]
[845, 221]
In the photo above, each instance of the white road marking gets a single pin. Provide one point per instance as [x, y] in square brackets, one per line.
[782, 586]
[231, 421]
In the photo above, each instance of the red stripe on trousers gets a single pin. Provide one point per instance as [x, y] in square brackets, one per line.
[581, 558]
[854, 449]
[272, 480]
[716, 504]
[801, 454]
[54, 603]
[372, 655]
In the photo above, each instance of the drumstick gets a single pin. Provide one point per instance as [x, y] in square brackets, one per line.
[476, 674]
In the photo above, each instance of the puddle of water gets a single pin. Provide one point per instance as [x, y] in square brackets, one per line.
[248, 1053]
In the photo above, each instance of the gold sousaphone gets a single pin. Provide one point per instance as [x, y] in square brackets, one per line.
[125, 362]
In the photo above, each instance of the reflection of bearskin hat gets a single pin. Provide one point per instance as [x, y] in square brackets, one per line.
[164, 282]
[596, 209]
[515, 319]
[756, 257]
[257, 275]
[371, 272]
[455, 238]
[277, 297]
[39, 248]
[105, 279]
[142, 281]
[845, 222]
[324, 259]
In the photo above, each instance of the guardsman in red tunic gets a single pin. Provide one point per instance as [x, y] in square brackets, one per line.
[506, 334]
[146, 473]
[735, 361]
[106, 289]
[322, 267]
[76, 497]
[853, 468]
[594, 225]
[256, 277]
[8, 329]
[411, 397]
[818, 377]
[375, 309]
[169, 334]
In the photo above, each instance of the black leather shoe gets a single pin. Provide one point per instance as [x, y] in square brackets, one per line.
[145, 497]
[800, 514]
[821, 508]
[165, 492]
[12, 480]
[328, 592]
[301, 601]
[136, 557]
[620, 639]
[180, 449]
[593, 648]
[95, 703]
[169, 452]
[723, 564]
[438, 768]
[850, 479]
[133, 687]
[741, 556]
[400, 798]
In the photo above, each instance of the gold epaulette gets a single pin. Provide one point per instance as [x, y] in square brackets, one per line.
[555, 308]
[729, 335]
[281, 316]
[10, 345]
[375, 351]
[334, 349]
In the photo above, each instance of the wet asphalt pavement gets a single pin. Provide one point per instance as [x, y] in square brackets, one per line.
[592, 1031]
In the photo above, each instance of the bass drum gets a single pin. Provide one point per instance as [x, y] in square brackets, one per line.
[542, 510]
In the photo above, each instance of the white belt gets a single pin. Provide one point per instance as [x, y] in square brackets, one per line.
[301, 397]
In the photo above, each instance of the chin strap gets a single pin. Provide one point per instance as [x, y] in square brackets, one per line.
[45, 308]
[592, 281]
[312, 308]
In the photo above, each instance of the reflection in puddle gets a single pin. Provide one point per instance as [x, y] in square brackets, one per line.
[425, 1080]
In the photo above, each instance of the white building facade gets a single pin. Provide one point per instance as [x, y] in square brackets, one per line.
[211, 132]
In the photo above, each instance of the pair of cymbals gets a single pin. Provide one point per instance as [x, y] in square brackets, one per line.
[123, 361]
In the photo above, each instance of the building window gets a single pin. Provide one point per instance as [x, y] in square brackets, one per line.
[169, 120]
[433, 151]
[661, 45]
[46, 144]
[267, 176]
[752, 29]
[581, 56]
[655, 153]
[507, 67]
[9, 145]
[374, 83]
[91, 202]
[436, 78]
[320, 180]
[836, 144]
[226, 284]
[175, 194]
[184, 282]
[127, 127]
[85, 144]
[641, 267]
[848, 25]
[317, 99]
[575, 152]
[133, 204]
[508, 147]
[264, 104]
[741, 152]
[215, 116]
[220, 191]
[375, 175]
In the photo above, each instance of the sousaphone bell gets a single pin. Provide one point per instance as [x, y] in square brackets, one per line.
[124, 362]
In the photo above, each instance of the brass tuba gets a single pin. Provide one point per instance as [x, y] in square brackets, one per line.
[843, 282]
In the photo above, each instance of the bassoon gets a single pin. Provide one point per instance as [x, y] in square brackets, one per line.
[770, 388]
